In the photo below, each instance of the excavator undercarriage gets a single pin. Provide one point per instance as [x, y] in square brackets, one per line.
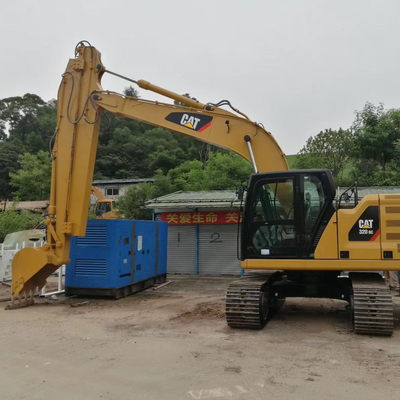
[251, 300]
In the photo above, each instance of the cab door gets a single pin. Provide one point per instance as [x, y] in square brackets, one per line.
[317, 195]
[272, 220]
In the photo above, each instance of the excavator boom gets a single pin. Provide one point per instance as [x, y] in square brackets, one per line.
[81, 102]
[98, 193]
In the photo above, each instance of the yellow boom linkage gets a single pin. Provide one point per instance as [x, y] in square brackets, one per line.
[81, 102]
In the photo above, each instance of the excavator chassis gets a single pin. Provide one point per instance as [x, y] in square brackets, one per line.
[251, 299]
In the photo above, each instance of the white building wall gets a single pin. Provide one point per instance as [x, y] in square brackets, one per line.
[122, 188]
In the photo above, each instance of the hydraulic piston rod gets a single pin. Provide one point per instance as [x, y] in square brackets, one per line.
[253, 160]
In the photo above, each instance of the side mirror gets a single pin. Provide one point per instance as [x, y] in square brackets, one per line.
[240, 193]
[347, 195]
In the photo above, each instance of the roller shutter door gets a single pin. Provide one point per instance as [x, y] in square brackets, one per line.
[181, 249]
[218, 250]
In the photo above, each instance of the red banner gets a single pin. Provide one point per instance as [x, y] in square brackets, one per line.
[202, 218]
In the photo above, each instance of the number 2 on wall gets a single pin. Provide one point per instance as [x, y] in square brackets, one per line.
[214, 238]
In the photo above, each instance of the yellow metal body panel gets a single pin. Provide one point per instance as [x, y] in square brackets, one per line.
[390, 224]
[322, 265]
[327, 247]
[347, 218]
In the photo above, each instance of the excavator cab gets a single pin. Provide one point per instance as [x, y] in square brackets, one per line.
[286, 213]
[105, 209]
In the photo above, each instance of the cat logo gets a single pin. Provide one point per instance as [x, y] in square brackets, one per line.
[195, 122]
[366, 228]
[190, 122]
[365, 223]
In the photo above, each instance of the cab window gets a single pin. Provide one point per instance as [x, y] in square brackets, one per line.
[272, 231]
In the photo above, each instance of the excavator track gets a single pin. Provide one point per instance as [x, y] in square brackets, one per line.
[372, 305]
[247, 302]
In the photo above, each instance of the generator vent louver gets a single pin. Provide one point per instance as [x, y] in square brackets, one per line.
[95, 236]
[84, 267]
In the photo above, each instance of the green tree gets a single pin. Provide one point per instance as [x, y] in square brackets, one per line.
[329, 149]
[226, 171]
[132, 204]
[9, 154]
[32, 180]
[223, 171]
[3, 135]
[190, 175]
[35, 142]
[137, 151]
[131, 92]
[397, 155]
[376, 132]
[28, 114]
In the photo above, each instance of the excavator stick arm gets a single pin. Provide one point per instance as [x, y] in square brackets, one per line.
[73, 154]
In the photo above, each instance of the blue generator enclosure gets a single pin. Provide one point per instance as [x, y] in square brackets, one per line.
[117, 258]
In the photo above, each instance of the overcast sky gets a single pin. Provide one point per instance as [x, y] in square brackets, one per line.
[296, 66]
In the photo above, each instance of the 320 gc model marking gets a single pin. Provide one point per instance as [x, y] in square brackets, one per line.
[367, 227]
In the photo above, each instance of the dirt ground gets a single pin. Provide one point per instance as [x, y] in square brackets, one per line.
[174, 344]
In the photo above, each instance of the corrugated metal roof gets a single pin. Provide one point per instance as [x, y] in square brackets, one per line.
[208, 205]
[122, 181]
[202, 196]
[213, 198]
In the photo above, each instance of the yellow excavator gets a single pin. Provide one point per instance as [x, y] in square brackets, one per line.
[293, 233]
[104, 208]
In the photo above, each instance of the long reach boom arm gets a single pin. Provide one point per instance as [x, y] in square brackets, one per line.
[81, 102]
